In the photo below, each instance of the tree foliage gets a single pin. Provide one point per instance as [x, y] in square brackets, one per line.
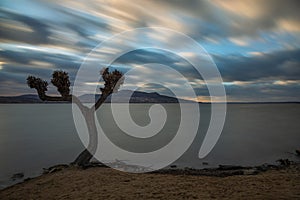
[39, 85]
[60, 79]
[112, 80]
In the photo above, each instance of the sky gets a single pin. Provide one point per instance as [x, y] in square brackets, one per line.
[255, 44]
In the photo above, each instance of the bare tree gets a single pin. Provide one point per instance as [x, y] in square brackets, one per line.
[60, 79]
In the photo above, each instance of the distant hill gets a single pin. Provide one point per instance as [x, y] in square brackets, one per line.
[27, 98]
[120, 97]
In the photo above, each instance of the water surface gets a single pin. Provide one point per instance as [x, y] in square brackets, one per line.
[34, 136]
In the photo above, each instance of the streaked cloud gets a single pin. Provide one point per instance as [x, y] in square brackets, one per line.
[239, 41]
[287, 82]
[255, 44]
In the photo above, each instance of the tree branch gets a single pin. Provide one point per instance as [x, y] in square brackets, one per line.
[60, 80]
[100, 101]
[83, 109]
[113, 80]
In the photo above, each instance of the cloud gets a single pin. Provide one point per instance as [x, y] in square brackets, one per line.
[255, 43]
[284, 65]
[249, 17]
[263, 91]
[28, 55]
[287, 82]
[22, 28]
[239, 41]
[78, 23]
[255, 53]
[291, 67]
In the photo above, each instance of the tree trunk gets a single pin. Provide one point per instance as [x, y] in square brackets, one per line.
[86, 155]
[83, 158]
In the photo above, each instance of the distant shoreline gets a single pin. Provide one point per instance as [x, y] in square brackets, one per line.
[122, 97]
[59, 102]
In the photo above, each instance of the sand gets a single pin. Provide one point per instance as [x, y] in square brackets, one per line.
[106, 183]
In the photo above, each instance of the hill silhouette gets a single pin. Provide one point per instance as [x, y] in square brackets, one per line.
[119, 97]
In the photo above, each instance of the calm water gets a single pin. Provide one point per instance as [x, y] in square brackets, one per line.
[34, 136]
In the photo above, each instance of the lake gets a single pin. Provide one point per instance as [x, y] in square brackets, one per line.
[36, 136]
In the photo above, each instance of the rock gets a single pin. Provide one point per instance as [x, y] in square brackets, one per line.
[250, 172]
[230, 167]
[227, 170]
[94, 164]
[27, 179]
[173, 166]
[262, 168]
[298, 152]
[284, 162]
[54, 169]
[17, 176]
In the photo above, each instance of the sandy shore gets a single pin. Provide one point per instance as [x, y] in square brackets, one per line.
[105, 183]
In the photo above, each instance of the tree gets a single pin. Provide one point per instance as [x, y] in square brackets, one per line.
[60, 79]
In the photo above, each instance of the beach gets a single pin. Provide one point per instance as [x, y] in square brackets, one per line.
[107, 183]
